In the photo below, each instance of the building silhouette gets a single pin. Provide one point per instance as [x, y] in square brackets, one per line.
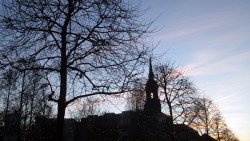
[147, 125]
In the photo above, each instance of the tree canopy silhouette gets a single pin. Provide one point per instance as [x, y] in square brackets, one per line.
[87, 47]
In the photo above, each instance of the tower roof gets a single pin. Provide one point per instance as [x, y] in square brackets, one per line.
[151, 85]
[151, 73]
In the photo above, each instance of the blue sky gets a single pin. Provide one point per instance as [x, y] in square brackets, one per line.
[210, 40]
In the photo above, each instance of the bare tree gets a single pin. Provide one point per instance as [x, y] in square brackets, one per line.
[203, 123]
[95, 44]
[220, 129]
[8, 86]
[35, 99]
[219, 126]
[209, 120]
[179, 94]
[85, 107]
[228, 135]
[12, 85]
[136, 98]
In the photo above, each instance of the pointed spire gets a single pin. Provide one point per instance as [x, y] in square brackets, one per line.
[152, 104]
[151, 85]
[151, 73]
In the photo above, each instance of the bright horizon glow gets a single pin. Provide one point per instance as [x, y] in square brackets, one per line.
[210, 40]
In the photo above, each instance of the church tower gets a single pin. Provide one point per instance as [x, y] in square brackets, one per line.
[152, 103]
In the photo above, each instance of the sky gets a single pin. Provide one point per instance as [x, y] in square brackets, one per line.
[210, 41]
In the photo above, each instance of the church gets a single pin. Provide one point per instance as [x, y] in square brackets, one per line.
[147, 125]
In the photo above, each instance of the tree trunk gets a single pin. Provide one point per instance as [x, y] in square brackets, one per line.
[206, 125]
[171, 123]
[44, 106]
[63, 84]
[62, 102]
[32, 104]
[8, 100]
[172, 130]
[60, 121]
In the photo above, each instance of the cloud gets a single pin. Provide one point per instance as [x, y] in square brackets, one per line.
[212, 62]
[225, 98]
[200, 24]
[224, 75]
[185, 32]
[215, 46]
